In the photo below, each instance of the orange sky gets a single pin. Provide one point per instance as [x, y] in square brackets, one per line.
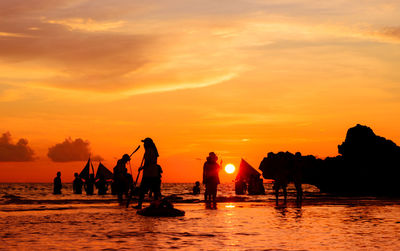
[241, 78]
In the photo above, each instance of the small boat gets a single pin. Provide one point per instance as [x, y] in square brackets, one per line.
[248, 178]
[84, 174]
[161, 208]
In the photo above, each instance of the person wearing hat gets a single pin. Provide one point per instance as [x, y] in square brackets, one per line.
[151, 172]
[211, 178]
[120, 177]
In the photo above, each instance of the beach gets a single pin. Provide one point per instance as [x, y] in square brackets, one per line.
[254, 223]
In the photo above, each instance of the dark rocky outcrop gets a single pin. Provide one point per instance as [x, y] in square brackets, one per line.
[367, 165]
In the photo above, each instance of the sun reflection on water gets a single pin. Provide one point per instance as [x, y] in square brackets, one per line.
[230, 205]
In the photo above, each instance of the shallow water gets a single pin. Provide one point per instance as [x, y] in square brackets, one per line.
[32, 218]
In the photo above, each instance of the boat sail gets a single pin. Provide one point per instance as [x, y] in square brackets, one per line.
[84, 174]
[85, 171]
[248, 178]
[103, 171]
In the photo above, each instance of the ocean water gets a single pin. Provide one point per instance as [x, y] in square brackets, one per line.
[32, 218]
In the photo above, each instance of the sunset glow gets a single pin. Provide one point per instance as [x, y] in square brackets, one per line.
[230, 168]
[240, 78]
[187, 124]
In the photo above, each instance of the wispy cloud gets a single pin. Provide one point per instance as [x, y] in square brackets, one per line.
[109, 52]
[88, 24]
[392, 33]
[8, 34]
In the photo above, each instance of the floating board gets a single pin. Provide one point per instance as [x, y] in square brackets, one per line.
[161, 209]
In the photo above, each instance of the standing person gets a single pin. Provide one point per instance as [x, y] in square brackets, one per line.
[77, 184]
[151, 179]
[89, 184]
[211, 178]
[120, 177]
[57, 184]
[101, 185]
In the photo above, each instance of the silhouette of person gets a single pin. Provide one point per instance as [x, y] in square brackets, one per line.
[101, 185]
[211, 178]
[77, 184]
[151, 179]
[57, 184]
[260, 184]
[113, 187]
[89, 184]
[160, 171]
[240, 186]
[128, 182]
[120, 183]
[196, 188]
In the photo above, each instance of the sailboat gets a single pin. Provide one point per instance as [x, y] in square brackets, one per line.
[248, 177]
[103, 175]
[84, 174]
[103, 171]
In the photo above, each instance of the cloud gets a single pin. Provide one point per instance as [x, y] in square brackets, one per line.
[14, 152]
[112, 50]
[392, 32]
[119, 54]
[87, 24]
[97, 158]
[22, 7]
[81, 57]
[7, 34]
[71, 150]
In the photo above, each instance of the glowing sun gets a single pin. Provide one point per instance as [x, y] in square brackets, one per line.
[230, 168]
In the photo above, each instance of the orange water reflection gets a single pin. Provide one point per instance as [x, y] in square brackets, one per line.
[230, 205]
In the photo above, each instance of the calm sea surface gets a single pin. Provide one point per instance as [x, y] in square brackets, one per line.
[32, 218]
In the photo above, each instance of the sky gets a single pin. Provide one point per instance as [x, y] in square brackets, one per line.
[240, 78]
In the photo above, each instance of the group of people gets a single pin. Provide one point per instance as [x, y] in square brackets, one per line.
[123, 184]
[78, 184]
[253, 185]
[88, 184]
[151, 178]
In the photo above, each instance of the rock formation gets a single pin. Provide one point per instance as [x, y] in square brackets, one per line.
[367, 165]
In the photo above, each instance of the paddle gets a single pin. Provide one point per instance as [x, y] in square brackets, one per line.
[135, 151]
[134, 185]
[131, 156]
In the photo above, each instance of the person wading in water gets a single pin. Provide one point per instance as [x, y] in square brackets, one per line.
[89, 184]
[211, 179]
[57, 184]
[77, 184]
[120, 178]
[151, 172]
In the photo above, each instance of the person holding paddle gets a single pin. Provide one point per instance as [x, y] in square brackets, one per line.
[151, 172]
